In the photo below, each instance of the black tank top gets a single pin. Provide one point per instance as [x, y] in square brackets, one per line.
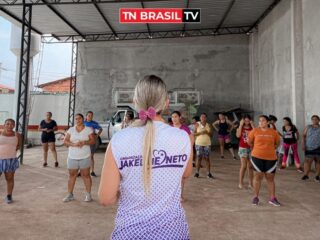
[289, 137]
[223, 128]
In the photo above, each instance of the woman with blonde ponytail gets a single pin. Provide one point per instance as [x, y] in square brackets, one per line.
[143, 170]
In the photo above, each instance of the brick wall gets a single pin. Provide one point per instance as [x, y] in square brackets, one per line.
[60, 87]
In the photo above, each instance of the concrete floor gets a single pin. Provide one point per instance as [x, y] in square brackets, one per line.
[215, 209]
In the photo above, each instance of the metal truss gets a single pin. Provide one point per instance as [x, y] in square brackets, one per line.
[146, 35]
[21, 118]
[73, 84]
[264, 14]
[67, 2]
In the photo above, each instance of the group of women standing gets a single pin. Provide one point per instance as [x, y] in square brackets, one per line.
[82, 141]
[146, 176]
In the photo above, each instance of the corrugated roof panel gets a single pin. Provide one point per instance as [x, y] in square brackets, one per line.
[211, 12]
[44, 20]
[86, 18]
[246, 12]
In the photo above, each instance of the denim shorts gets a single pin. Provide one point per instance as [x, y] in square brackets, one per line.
[9, 165]
[78, 163]
[203, 151]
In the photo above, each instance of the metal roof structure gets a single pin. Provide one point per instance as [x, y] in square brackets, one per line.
[98, 20]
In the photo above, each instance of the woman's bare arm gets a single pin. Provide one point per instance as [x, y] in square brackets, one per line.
[110, 180]
[188, 170]
[214, 125]
[19, 140]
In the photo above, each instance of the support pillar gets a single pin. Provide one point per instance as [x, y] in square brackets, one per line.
[24, 68]
[73, 84]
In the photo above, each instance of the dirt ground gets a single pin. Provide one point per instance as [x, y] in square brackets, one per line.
[216, 209]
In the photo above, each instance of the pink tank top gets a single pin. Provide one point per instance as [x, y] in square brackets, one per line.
[8, 147]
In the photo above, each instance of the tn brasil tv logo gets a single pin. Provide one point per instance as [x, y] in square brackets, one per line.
[159, 15]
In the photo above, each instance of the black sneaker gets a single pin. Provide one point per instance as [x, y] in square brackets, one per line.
[304, 178]
[317, 179]
[93, 174]
[210, 176]
[196, 175]
[45, 164]
[222, 157]
[9, 199]
[56, 164]
[79, 174]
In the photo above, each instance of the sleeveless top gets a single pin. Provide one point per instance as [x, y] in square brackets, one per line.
[8, 147]
[204, 139]
[159, 215]
[223, 128]
[313, 138]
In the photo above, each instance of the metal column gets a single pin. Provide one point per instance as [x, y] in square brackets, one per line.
[23, 89]
[73, 84]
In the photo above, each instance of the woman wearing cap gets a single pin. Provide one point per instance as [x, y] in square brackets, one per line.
[264, 142]
[149, 170]
[9, 144]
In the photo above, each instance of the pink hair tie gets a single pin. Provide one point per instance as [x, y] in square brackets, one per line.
[145, 114]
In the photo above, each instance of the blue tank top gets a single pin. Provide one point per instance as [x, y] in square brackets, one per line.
[159, 216]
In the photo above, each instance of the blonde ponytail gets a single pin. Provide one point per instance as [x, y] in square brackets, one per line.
[148, 143]
[150, 92]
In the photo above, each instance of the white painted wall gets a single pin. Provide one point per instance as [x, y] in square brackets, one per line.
[40, 104]
[6, 101]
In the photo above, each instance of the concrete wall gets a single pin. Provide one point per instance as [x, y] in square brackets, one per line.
[284, 62]
[217, 66]
[271, 64]
[311, 56]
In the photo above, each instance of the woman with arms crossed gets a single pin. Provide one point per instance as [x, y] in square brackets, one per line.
[146, 174]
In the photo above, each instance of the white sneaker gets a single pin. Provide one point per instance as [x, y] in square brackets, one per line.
[68, 198]
[88, 197]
